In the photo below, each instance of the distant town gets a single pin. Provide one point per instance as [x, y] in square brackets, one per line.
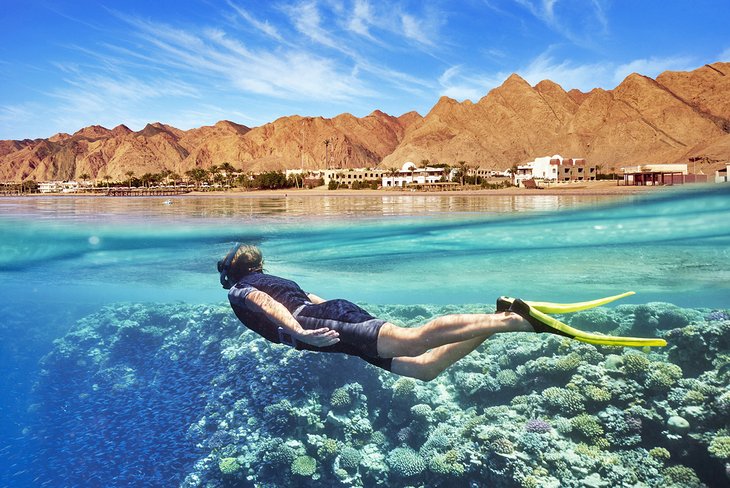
[425, 176]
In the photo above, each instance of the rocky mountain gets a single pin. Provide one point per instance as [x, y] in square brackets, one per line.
[676, 118]
[679, 117]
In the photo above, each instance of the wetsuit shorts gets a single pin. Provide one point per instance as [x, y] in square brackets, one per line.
[357, 328]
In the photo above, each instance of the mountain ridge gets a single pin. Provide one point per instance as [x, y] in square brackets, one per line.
[680, 116]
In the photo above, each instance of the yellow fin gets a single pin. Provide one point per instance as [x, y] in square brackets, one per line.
[591, 338]
[547, 307]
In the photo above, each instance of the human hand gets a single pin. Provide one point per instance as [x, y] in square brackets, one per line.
[319, 337]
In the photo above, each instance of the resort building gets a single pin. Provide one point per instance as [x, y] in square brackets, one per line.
[556, 169]
[721, 174]
[342, 176]
[660, 174]
[58, 187]
[410, 174]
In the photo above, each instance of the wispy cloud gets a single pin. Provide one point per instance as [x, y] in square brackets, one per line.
[307, 19]
[282, 74]
[263, 26]
[361, 19]
[579, 22]
[653, 67]
[413, 29]
[462, 85]
[17, 114]
[566, 73]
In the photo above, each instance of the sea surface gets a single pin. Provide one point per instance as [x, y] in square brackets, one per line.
[70, 259]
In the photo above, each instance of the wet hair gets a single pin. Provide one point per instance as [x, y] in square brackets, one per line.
[248, 259]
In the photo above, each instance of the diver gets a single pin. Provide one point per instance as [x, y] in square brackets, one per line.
[281, 312]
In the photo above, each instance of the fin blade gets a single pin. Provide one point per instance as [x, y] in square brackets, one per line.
[597, 339]
[548, 307]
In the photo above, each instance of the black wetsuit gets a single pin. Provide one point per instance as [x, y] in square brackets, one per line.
[357, 328]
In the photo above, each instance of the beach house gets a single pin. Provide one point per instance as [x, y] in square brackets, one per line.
[410, 174]
[555, 169]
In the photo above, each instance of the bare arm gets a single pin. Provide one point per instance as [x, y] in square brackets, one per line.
[262, 302]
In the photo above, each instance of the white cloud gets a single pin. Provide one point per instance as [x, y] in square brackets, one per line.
[17, 113]
[578, 21]
[362, 18]
[281, 73]
[652, 67]
[567, 74]
[413, 28]
[725, 55]
[306, 18]
[263, 26]
[457, 84]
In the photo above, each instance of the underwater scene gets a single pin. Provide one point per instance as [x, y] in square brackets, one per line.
[123, 364]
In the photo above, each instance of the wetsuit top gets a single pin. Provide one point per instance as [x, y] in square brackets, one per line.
[283, 291]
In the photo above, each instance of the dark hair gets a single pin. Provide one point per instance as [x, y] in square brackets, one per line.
[248, 259]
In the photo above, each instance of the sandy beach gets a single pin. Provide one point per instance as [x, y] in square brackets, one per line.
[606, 187]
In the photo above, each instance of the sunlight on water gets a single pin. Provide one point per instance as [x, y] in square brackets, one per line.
[384, 249]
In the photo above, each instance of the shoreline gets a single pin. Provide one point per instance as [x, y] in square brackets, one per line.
[602, 188]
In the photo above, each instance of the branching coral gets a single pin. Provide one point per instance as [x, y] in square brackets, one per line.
[228, 466]
[304, 466]
[720, 447]
[405, 462]
[340, 399]
[563, 400]
[587, 426]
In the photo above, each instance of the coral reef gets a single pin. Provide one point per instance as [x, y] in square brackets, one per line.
[189, 389]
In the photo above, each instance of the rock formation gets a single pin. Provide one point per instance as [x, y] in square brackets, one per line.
[679, 117]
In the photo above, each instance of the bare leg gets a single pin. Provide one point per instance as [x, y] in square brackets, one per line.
[429, 365]
[394, 341]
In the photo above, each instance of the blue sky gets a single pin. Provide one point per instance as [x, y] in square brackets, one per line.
[68, 64]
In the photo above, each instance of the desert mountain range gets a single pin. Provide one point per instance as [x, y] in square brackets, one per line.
[677, 117]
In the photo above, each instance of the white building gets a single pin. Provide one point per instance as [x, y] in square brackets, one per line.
[410, 174]
[555, 168]
[721, 175]
[50, 186]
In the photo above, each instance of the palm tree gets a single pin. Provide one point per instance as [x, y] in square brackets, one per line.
[513, 173]
[229, 170]
[129, 175]
[463, 167]
[599, 167]
[326, 153]
[197, 175]
[107, 178]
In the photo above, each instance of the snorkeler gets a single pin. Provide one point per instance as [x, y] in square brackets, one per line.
[281, 312]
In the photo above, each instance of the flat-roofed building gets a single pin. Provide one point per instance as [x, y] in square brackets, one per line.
[556, 169]
[410, 174]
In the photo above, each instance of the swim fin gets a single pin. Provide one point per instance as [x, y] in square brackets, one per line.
[503, 304]
[544, 323]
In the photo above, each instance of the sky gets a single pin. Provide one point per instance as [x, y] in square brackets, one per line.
[65, 64]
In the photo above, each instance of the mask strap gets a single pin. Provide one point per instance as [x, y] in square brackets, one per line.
[226, 266]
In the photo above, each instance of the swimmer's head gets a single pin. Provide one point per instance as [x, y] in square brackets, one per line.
[248, 259]
[240, 261]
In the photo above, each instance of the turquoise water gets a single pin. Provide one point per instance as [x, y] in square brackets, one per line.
[62, 259]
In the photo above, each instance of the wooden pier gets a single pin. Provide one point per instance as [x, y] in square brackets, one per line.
[146, 192]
